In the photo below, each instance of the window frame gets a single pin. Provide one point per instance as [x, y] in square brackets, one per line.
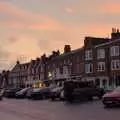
[101, 53]
[88, 55]
[100, 66]
[87, 68]
[114, 64]
[115, 50]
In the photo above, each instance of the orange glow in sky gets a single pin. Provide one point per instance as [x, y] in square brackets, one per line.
[41, 26]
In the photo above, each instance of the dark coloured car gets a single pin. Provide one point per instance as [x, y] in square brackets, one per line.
[29, 93]
[11, 93]
[81, 91]
[112, 98]
[40, 93]
[22, 93]
[1, 93]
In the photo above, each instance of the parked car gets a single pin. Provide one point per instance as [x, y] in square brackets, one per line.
[81, 91]
[40, 93]
[1, 93]
[62, 97]
[111, 98]
[29, 93]
[108, 90]
[52, 86]
[22, 93]
[56, 93]
[10, 93]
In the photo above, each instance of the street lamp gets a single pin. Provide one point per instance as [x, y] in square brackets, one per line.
[50, 75]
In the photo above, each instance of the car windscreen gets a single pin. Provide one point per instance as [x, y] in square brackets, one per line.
[36, 89]
[57, 89]
[45, 90]
[13, 89]
[23, 90]
[29, 91]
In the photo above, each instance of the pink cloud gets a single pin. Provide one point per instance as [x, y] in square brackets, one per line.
[109, 7]
[112, 8]
[26, 18]
[69, 10]
[29, 25]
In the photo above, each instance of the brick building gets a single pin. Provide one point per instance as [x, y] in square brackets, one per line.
[4, 79]
[59, 66]
[91, 57]
[109, 61]
[77, 70]
[33, 71]
[102, 61]
[18, 75]
[97, 61]
[36, 70]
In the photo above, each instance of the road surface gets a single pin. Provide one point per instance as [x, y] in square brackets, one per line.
[11, 109]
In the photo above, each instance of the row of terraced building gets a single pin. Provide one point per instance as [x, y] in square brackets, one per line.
[97, 61]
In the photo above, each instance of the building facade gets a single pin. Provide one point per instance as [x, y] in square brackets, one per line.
[59, 66]
[4, 79]
[97, 61]
[94, 60]
[110, 67]
[27, 74]
[18, 75]
[102, 61]
[36, 70]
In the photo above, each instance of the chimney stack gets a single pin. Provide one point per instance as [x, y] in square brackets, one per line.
[18, 62]
[67, 48]
[115, 34]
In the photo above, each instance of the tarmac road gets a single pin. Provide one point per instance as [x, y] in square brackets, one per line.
[12, 109]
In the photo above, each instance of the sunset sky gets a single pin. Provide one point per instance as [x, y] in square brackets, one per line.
[29, 28]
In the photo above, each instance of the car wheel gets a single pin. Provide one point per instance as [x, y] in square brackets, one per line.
[70, 99]
[0, 98]
[99, 97]
[90, 98]
[53, 98]
[62, 99]
[43, 97]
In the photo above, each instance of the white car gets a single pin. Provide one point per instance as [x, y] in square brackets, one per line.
[62, 95]
[56, 93]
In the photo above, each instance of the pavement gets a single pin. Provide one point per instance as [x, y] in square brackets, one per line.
[12, 109]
